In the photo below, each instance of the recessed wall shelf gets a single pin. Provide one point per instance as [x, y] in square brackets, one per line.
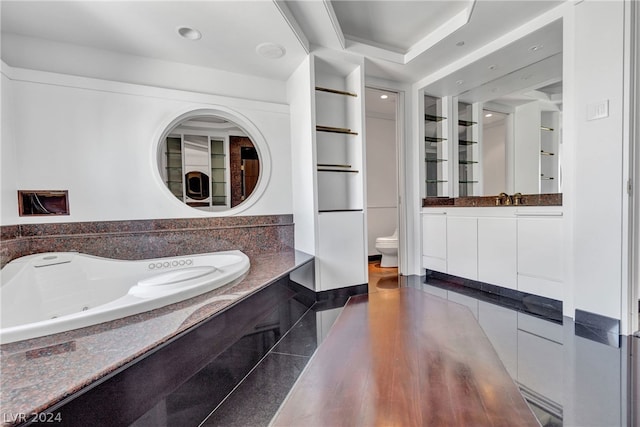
[432, 118]
[468, 182]
[329, 165]
[434, 181]
[339, 210]
[546, 128]
[435, 160]
[465, 142]
[546, 153]
[40, 203]
[467, 162]
[434, 139]
[337, 170]
[466, 123]
[331, 129]
[336, 91]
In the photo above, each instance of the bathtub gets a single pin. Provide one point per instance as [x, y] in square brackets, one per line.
[48, 293]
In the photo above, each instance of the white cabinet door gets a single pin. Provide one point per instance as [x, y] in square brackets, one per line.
[341, 256]
[497, 256]
[540, 256]
[462, 247]
[434, 241]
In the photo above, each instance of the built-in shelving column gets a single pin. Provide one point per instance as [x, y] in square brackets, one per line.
[549, 152]
[339, 151]
[436, 147]
[468, 151]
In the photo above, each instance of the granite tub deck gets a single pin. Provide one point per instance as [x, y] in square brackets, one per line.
[41, 372]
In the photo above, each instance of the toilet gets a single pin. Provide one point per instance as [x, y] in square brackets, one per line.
[388, 247]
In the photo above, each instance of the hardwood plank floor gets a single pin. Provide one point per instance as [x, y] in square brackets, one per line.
[405, 358]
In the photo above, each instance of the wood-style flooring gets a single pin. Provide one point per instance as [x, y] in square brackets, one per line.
[405, 358]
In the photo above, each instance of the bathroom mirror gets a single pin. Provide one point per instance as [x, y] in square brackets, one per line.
[209, 162]
[511, 126]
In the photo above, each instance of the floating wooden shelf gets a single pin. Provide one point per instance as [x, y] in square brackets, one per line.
[336, 91]
[331, 129]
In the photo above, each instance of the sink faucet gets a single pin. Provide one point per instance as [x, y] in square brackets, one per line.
[517, 199]
[506, 197]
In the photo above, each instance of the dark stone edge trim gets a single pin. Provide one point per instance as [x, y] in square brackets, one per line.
[596, 327]
[534, 305]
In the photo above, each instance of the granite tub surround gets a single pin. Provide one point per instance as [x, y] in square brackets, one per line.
[141, 239]
[554, 199]
[41, 372]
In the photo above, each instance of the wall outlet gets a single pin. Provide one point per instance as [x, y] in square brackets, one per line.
[598, 110]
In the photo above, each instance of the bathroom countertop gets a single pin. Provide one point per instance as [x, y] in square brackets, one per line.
[40, 372]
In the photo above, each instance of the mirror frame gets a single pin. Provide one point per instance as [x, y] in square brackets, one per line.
[250, 129]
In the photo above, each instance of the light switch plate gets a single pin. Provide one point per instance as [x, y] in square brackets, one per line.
[598, 110]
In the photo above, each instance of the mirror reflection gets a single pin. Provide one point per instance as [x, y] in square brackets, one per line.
[495, 125]
[209, 163]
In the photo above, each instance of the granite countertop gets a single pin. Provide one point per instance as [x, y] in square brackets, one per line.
[554, 199]
[40, 372]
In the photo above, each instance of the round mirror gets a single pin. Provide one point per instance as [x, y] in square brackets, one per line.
[208, 161]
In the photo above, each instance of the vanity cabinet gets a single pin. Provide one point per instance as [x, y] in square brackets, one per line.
[327, 125]
[519, 248]
[462, 247]
[540, 253]
[434, 241]
[497, 249]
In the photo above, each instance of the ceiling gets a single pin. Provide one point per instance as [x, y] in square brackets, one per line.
[402, 40]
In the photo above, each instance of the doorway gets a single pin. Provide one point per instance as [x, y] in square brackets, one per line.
[381, 110]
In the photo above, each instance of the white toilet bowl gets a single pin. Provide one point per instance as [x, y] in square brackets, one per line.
[388, 247]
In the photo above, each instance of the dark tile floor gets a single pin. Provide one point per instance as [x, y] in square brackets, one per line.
[246, 384]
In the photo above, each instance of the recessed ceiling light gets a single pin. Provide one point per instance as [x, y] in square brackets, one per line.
[384, 96]
[488, 115]
[493, 66]
[270, 50]
[189, 33]
[459, 82]
[535, 47]
[460, 43]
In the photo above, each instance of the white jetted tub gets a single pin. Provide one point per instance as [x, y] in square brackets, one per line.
[54, 292]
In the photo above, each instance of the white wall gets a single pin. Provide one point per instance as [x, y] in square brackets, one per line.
[98, 139]
[527, 148]
[382, 181]
[598, 181]
[8, 172]
[494, 178]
